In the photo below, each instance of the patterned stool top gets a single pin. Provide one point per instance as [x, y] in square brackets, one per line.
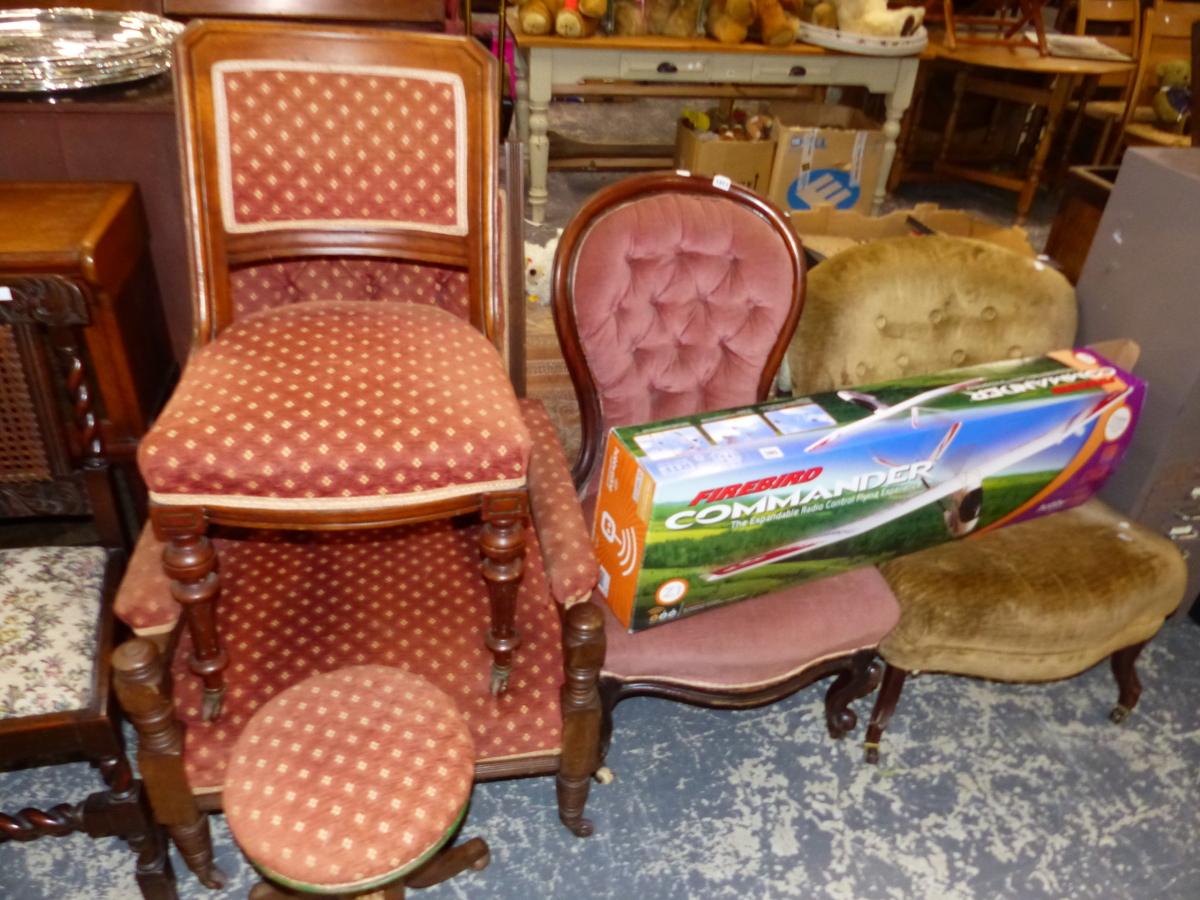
[339, 405]
[49, 622]
[350, 779]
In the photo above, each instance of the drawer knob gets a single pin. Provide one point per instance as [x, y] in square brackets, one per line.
[797, 71]
[667, 68]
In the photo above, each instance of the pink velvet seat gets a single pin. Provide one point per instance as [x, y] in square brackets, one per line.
[673, 296]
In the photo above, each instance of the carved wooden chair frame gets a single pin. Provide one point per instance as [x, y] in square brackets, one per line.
[95, 732]
[857, 673]
[189, 558]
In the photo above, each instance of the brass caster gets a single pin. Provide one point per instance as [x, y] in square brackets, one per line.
[210, 708]
[604, 775]
[871, 752]
[1119, 714]
[499, 682]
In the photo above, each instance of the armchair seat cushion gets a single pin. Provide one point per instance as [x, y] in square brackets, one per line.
[338, 405]
[1037, 601]
[49, 623]
[759, 641]
[349, 780]
[297, 604]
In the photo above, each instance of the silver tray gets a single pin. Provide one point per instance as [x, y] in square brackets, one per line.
[66, 49]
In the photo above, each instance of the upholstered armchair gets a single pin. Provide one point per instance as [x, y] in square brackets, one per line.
[326, 169]
[1042, 600]
[344, 439]
[672, 296]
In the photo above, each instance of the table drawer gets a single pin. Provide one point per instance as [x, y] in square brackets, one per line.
[791, 70]
[668, 66]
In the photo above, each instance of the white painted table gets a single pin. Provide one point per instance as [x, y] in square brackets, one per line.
[548, 65]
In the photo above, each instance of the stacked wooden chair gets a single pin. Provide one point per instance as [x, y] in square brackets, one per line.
[345, 475]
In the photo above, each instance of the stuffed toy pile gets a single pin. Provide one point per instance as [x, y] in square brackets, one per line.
[775, 22]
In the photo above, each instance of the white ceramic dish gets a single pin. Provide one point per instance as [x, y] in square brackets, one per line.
[865, 44]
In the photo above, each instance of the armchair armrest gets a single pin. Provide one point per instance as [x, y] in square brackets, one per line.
[571, 566]
[144, 600]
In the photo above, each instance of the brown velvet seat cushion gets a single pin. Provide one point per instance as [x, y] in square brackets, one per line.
[1037, 601]
[338, 405]
[762, 640]
[349, 779]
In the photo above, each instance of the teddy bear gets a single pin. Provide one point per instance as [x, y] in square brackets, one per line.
[635, 17]
[566, 18]
[819, 12]
[872, 17]
[1173, 101]
[684, 20]
[729, 21]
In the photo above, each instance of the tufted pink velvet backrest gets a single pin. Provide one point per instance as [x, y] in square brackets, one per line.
[679, 299]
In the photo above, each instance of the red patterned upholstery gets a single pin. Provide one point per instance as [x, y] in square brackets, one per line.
[256, 288]
[788, 630]
[678, 300]
[305, 145]
[571, 565]
[144, 601]
[338, 405]
[294, 605]
[348, 780]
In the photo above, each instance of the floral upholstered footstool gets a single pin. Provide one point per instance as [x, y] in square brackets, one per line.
[350, 784]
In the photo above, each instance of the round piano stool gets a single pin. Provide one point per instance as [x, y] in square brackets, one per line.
[350, 784]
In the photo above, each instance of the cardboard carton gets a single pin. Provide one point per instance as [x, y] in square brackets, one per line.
[828, 231]
[747, 163]
[825, 156]
[702, 511]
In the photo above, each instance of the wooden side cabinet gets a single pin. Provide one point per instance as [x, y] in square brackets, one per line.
[85, 359]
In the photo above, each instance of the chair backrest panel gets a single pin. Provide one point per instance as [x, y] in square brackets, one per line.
[672, 298]
[335, 144]
[255, 288]
[1166, 35]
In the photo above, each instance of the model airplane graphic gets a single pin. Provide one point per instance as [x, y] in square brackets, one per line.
[881, 410]
[961, 496]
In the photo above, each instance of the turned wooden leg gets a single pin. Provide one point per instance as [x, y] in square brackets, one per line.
[191, 563]
[583, 655]
[502, 544]
[472, 854]
[885, 705]
[140, 678]
[859, 678]
[1127, 681]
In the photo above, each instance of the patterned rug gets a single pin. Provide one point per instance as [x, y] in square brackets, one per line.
[985, 791]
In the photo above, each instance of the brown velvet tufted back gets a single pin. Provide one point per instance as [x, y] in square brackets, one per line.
[678, 297]
[910, 306]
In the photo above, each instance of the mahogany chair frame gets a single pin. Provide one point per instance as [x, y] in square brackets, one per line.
[858, 673]
[189, 558]
[95, 733]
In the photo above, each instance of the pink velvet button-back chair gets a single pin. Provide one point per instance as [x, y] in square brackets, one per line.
[674, 296]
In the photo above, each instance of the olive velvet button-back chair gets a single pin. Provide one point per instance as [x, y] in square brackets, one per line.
[1040, 600]
[344, 437]
[673, 296]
